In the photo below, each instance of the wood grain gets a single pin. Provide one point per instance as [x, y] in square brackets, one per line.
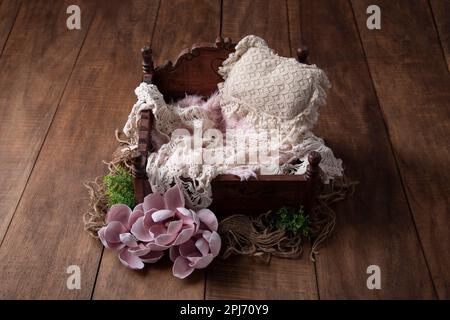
[182, 23]
[374, 227]
[155, 282]
[194, 72]
[8, 13]
[295, 32]
[46, 234]
[35, 66]
[261, 195]
[440, 10]
[412, 83]
[243, 277]
[175, 28]
[240, 277]
[267, 19]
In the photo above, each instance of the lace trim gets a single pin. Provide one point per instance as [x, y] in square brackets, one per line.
[241, 48]
[168, 117]
[292, 130]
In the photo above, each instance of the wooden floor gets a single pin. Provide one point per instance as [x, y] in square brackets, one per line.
[62, 94]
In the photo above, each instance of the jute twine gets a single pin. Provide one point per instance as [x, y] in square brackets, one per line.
[254, 235]
[95, 216]
[241, 234]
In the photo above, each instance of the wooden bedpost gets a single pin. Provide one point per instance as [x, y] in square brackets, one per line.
[141, 184]
[219, 41]
[313, 169]
[225, 43]
[147, 63]
[302, 54]
[312, 176]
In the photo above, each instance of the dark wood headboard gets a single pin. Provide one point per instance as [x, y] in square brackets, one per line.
[195, 70]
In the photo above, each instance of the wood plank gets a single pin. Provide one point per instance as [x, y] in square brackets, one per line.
[244, 277]
[35, 67]
[412, 83]
[374, 227]
[241, 277]
[440, 10]
[266, 19]
[295, 30]
[46, 234]
[181, 23]
[8, 13]
[175, 29]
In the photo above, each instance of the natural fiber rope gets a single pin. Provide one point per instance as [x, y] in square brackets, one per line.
[254, 236]
[241, 234]
[323, 216]
[251, 236]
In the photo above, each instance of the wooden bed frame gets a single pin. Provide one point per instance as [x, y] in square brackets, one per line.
[195, 71]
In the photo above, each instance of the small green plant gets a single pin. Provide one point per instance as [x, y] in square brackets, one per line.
[292, 220]
[119, 187]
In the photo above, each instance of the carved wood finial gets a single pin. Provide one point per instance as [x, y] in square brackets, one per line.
[313, 169]
[224, 42]
[147, 60]
[228, 44]
[302, 54]
[219, 42]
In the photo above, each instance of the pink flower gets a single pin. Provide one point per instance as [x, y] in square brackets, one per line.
[200, 250]
[116, 235]
[134, 261]
[162, 222]
[119, 221]
[166, 221]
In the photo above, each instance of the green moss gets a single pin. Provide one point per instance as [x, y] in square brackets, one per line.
[119, 187]
[292, 220]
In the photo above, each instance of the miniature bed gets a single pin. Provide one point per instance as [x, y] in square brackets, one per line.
[195, 71]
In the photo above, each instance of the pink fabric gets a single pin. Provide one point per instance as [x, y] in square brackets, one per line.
[211, 106]
[190, 100]
[214, 112]
[158, 139]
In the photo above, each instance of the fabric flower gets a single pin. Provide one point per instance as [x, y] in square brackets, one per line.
[200, 250]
